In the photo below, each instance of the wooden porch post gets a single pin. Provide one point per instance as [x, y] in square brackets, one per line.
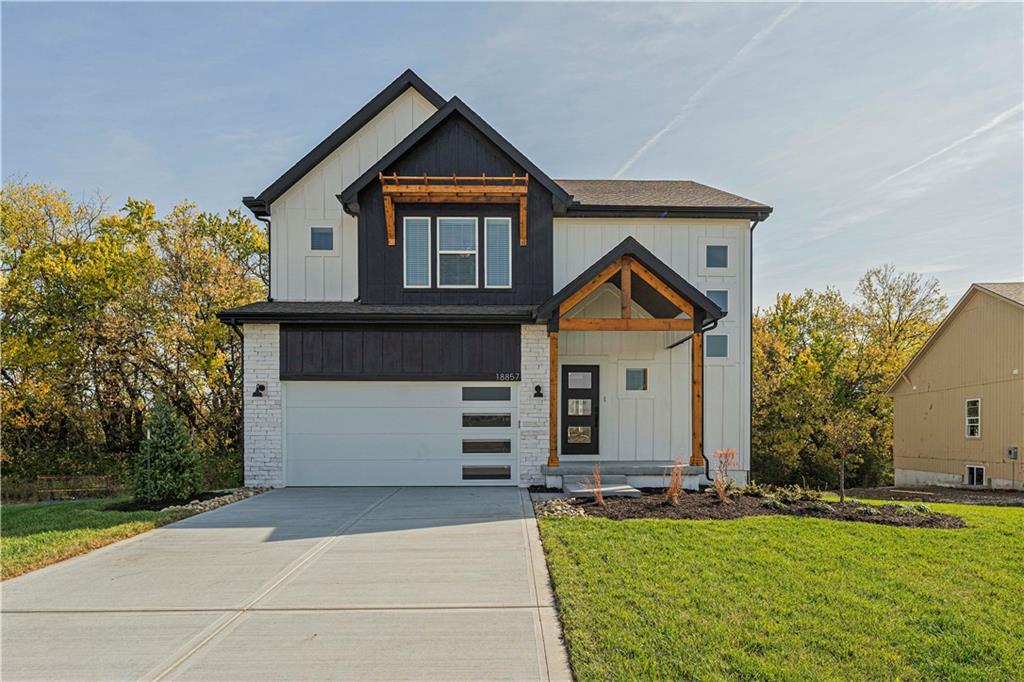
[553, 406]
[626, 279]
[697, 401]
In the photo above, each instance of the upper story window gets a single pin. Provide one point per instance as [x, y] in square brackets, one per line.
[720, 297]
[457, 252]
[321, 239]
[416, 252]
[716, 256]
[972, 427]
[497, 253]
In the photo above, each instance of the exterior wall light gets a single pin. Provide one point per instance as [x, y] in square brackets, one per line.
[537, 392]
[258, 393]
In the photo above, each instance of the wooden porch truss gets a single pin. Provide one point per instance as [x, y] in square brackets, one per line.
[626, 267]
[454, 189]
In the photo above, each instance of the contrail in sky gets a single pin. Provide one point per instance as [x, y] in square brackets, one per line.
[700, 92]
[953, 145]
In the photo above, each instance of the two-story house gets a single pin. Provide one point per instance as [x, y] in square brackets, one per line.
[441, 312]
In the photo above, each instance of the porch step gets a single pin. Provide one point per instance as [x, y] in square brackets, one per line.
[611, 486]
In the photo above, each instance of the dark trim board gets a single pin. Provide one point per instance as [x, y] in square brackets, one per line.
[364, 352]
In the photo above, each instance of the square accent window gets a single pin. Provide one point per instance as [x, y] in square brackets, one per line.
[716, 256]
[720, 297]
[972, 427]
[716, 345]
[636, 379]
[416, 252]
[472, 421]
[975, 475]
[580, 380]
[497, 253]
[456, 252]
[321, 239]
[579, 407]
[579, 434]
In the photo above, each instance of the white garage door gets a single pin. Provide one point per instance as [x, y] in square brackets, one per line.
[400, 433]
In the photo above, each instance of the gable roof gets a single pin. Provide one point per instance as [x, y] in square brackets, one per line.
[350, 196]
[260, 205]
[1011, 292]
[631, 247]
[657, 198]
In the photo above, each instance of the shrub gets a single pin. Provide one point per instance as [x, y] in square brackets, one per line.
[820, 507]
[921, 508]
[722, 483]
[772, 503]
[868, 510]
[787, 494]
[598, 493]
[675, 484]
[167, 467]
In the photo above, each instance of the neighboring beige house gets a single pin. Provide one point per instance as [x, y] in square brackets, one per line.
[959, 403]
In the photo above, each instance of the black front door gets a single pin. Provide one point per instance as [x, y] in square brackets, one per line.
[580, 397]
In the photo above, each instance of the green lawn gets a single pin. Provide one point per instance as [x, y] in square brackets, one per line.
[791, 598]
[36, 535]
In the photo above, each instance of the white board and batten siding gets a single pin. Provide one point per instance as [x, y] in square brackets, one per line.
[656, 424]
[301, 274]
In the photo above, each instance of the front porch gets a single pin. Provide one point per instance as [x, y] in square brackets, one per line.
[638, 474]
[626, 374]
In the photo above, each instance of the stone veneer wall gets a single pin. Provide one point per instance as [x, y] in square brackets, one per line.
[264, 428]
[533, 412]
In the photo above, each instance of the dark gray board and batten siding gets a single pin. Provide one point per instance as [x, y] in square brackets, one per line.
[362, 352]
[455, 147]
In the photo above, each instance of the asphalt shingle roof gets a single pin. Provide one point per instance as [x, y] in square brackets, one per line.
[665, 193]
[1011, 290]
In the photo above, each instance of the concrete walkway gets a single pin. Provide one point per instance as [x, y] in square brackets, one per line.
[301, 584]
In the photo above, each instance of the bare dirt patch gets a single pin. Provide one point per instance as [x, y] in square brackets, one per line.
[1001, 498]
[697, 506]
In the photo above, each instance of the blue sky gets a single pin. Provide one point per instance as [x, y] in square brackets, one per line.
[879, 132]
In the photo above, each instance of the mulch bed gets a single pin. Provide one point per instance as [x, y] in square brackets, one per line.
[698, 506]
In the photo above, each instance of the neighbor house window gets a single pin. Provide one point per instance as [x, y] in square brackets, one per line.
[636, 379]
[972, 428]
[716, 345]
[716, 256]
[456, 252]
[321, 239]
[720, 297]
[497, 253]
[416, 247]
[975, 475]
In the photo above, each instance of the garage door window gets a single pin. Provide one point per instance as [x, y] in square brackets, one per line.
[473, 421]
[486, 447]
[489, 393]
[486, 472]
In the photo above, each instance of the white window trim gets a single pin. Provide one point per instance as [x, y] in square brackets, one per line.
[309, 240]
[475, 252]
[405, 253]
[647, 378]
[967, 477]
[718, 268]
[499, 286]
[967, 420]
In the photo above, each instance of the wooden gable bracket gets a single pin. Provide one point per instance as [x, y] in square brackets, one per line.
[626, 267]
[453, 189]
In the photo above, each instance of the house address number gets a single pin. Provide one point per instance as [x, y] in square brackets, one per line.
[506, 376]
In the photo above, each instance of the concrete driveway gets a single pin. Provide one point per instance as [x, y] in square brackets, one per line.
[301, 584]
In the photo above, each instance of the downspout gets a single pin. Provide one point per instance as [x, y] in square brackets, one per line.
[750, 363]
